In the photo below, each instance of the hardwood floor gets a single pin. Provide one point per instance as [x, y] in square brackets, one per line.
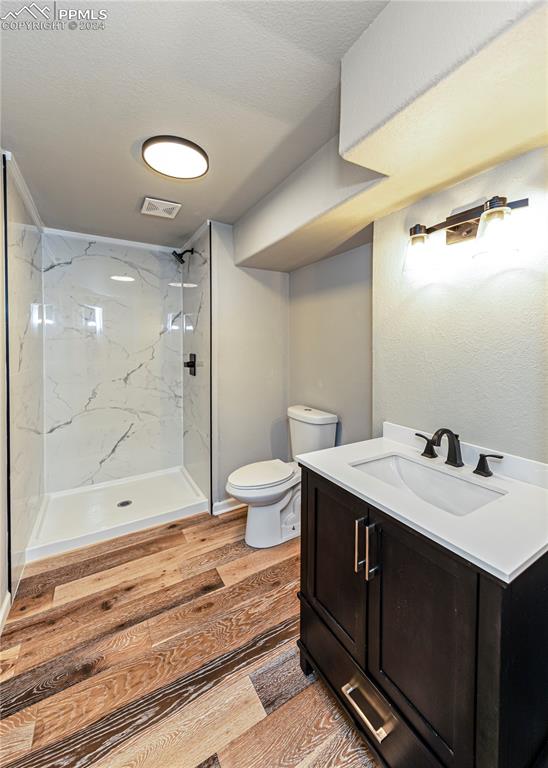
[168, 648]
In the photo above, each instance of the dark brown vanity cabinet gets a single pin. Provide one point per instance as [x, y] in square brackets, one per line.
[422, 639]
[439, 664]
[332, 577]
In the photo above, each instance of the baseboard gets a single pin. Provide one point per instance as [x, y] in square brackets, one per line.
[5, 609]
[226, 505]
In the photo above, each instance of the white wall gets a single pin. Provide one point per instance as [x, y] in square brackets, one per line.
[250, 361]
[330, 340]
[461, 341]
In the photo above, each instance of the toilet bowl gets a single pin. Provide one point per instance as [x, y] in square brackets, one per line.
[272, 489]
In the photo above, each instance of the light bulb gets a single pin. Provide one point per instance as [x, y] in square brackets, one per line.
[494, 242]
[417, 255]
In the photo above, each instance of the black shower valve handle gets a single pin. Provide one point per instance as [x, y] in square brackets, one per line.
[191, 364]
[429, 451]
[483, 467]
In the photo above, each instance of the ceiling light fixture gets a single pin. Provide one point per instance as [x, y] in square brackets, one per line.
[122, 278]
[175, 157]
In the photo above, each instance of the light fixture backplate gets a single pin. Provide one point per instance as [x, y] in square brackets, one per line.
[466, 230]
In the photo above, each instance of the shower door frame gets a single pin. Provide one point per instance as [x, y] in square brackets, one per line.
[7, 413]
[188, 244]
[210, 500]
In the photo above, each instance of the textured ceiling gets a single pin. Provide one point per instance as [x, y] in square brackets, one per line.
[255, 83]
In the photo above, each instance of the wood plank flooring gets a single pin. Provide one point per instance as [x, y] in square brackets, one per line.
[167, 648]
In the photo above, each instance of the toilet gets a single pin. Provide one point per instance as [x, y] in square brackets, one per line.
[272, 489]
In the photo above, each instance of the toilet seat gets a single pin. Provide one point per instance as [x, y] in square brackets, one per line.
[262, 474]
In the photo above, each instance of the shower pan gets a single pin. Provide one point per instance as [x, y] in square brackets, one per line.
[109, 430]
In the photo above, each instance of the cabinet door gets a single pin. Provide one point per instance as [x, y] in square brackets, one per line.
[422, 638]
[333, 544]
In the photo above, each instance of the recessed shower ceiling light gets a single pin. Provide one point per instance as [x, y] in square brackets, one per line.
[175, 157]
[122, 278]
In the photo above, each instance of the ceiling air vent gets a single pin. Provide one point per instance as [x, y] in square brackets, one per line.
[165, 209]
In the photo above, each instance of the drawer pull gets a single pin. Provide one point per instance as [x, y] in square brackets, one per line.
[379, 733]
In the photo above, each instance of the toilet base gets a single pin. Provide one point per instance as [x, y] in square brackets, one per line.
[272, 524]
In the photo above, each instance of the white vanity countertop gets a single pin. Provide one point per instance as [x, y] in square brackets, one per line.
[503, 537]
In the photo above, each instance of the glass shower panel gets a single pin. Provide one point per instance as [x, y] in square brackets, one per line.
[197, 381]
[26, 323]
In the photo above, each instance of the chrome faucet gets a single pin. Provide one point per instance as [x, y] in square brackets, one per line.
[454, 458]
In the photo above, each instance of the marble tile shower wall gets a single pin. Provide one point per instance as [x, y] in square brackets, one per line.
[113, 361]
[197, 339]
[26, 374]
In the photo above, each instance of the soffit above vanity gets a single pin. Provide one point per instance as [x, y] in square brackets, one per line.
[477, 106]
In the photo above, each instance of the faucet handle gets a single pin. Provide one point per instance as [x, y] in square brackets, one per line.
[483, 467]
[429, 451]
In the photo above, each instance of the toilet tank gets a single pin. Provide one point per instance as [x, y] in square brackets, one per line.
[310, 429]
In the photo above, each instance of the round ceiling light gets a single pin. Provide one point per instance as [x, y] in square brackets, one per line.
[175, 157]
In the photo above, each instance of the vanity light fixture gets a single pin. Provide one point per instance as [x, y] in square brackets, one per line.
[175, 157]
[176, 285]
[122, 278]
[468, 224]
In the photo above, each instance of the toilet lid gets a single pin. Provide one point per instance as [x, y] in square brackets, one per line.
[261, 474]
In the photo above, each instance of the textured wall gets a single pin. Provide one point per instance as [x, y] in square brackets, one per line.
[113, 360]
[197, 339]
[26, 374]
[462, 341]
[250, 361]
[330, 340]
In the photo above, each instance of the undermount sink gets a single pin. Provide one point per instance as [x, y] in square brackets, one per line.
[449, 493]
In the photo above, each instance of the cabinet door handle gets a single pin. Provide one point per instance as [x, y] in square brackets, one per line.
[357, 562]
[369, 571]
[379, 733]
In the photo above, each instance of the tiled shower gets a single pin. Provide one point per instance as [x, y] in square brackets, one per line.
[99, 332]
